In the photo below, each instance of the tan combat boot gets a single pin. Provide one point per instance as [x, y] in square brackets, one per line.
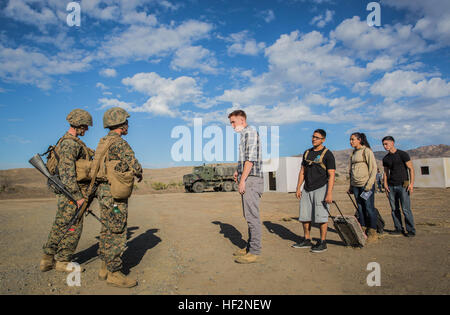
[103, 272]
[372, 236]
[248, 259]
[240, 252]
[118, 279]
[47, 263]
[62, 266]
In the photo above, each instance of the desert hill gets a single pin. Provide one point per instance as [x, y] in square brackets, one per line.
[29, 183]
[430, 151]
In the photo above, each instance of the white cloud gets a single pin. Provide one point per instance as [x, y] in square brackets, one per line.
[323, 19]
[101, 86]
[61, 41]
[433, 18]
[148, 42]
[26, 66]
[49, 13]
[401, 83]
[113, 102]
[194, 57]
[395, 40]
[108, 72]
[310, 61]
[166, 95]
[21, 10]
[242, 44]
[267, 15]
[416, 120]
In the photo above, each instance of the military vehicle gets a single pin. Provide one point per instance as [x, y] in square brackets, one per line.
[218, 177]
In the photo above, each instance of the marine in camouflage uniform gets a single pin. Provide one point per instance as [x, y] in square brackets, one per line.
[69, 149]
[114, 212]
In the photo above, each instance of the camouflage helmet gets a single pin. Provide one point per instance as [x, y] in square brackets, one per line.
[79, 117]
[114, 116]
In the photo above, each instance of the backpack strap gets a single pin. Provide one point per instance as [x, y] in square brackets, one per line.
[322, 156]
[77, 140]
[320, 162]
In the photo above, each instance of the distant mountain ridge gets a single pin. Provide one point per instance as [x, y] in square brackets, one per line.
[429, 151]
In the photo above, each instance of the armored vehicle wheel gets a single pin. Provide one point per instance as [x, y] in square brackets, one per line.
[227, 186]
[198, 187]
[235, 186]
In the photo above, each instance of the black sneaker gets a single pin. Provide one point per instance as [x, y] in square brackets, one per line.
[396, 233]
[306, 243]
[410, 234]
[320, 246]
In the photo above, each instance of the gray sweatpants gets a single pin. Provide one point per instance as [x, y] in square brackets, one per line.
[254, 187]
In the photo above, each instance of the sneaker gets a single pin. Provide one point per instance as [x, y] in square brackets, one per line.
[306, 243]
[320, 246]
[410, 234]
[396, 233]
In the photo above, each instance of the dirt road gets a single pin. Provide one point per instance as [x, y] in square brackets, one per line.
[183, 243]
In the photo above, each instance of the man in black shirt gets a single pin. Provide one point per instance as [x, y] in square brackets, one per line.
[398, 188]
[317, 172]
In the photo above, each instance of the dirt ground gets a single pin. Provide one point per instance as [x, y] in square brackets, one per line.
[182, 243]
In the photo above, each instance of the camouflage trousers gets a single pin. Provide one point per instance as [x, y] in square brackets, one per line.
[66, 248]
[114, 214]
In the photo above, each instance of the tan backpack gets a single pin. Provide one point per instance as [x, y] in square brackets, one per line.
[83, 166]
[122, 183]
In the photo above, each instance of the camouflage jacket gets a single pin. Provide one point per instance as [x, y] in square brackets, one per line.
[121, 150]
[69, 152]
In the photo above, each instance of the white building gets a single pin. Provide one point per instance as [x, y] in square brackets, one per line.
[281, 174]
[433, 172]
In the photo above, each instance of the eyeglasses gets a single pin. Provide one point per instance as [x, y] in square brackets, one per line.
[317, 138]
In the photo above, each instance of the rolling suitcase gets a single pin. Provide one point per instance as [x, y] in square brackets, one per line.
[349, 229]
[380, 221]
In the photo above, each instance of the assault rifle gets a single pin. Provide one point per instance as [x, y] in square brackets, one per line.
[55, 183]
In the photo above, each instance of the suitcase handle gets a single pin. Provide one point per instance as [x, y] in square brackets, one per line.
[324, 203]
[338, 208]
[354, 204]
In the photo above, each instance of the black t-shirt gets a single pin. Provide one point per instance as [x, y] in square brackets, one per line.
[398, 171]
[315, 176]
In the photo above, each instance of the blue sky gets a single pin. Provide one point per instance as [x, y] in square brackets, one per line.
[296, 64]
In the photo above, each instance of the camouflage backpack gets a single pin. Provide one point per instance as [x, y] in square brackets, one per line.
[83, 165]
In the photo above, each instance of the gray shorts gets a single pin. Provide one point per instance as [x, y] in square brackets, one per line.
[312, 208]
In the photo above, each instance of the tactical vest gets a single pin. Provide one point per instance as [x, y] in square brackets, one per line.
[82, 166]
[320, 162]
[121, 183]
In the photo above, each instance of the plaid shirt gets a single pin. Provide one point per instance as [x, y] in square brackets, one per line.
[250, 150]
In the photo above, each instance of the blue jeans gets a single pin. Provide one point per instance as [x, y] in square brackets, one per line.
[366, 208]
[398, 195]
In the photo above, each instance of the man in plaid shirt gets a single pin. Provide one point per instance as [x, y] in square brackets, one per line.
[251, 185]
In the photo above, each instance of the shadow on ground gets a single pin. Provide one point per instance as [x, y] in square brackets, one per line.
[231, 233]
[287, 234]
[136, 249]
